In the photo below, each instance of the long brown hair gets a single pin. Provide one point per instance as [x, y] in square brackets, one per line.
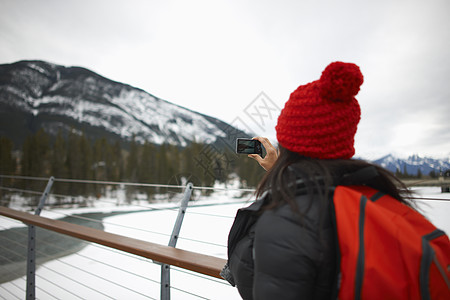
[320, 176]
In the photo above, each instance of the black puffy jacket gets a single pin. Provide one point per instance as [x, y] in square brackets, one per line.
[283, 256]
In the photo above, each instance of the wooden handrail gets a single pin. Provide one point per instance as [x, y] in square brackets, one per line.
[205, 264]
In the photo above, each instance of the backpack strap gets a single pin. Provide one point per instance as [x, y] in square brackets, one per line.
[427, 259]
[377, 196]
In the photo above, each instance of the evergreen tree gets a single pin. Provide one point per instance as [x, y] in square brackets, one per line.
[59, 156]
[187, 159]
[207, 166]
[132, 161]
[398, 173]
[433, 174]
[147, 166]
[87, 164]
[42, 149]
[35, 155]
[249, 171]
[79, 163]
[74, 156]
[26, 161]
[7, 167]
[198, 162]
[7, 162]
[59, 164]
[173, 159]
[162, 168]
[117, 168]
[35, 162]
[405, 172]
[102, 156]
[131, 168]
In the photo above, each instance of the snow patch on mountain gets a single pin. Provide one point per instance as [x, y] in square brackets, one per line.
[79, 98]
[413, 164]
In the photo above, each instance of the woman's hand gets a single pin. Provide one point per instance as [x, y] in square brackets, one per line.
[271, 154]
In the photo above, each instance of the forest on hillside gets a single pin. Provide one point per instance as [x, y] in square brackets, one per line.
[76, 157]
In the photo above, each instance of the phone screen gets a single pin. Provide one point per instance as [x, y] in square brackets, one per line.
[248, 146]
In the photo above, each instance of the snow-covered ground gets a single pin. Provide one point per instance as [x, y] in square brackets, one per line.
[97, 272]
[438, 212]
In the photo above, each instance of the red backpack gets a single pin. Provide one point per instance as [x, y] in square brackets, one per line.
[387, 249]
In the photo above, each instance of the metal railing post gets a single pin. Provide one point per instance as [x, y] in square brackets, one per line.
[165, 269]
[31, 258]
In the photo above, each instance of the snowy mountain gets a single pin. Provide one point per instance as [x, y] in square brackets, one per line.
[38, 94]
[413, 164]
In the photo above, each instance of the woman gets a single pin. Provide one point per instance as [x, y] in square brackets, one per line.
[290, 251]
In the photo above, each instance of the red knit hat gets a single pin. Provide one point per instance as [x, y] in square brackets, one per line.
[320, 118]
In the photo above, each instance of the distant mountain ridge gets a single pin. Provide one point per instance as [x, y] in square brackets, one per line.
[413, 164]
[38, 94]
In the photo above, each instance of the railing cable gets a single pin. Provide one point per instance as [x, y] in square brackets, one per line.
[24, 177]
[176, 288]
[200, 276]
[173, 208]
[20, 276]
[58, 286]
[152, 208]
[68, 180]
[81, 255]
[102, 278]
[16, 285]
[189, 293]
[201, 242]
[13, 221]
[20, 190]
[90, 273]
[70, 278]
[77, 281]
[119, 252]
[15, 273]
[142, 184]
[9, 292]
[109, 223]
[91, 259]
[208, 215]
[429, 198]
[148, 207]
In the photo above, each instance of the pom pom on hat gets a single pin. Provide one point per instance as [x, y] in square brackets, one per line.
[340, 81]
[320, 118]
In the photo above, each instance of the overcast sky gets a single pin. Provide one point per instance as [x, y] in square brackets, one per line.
[216, 57]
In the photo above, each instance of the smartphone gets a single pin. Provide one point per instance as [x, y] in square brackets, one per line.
[248, 146]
